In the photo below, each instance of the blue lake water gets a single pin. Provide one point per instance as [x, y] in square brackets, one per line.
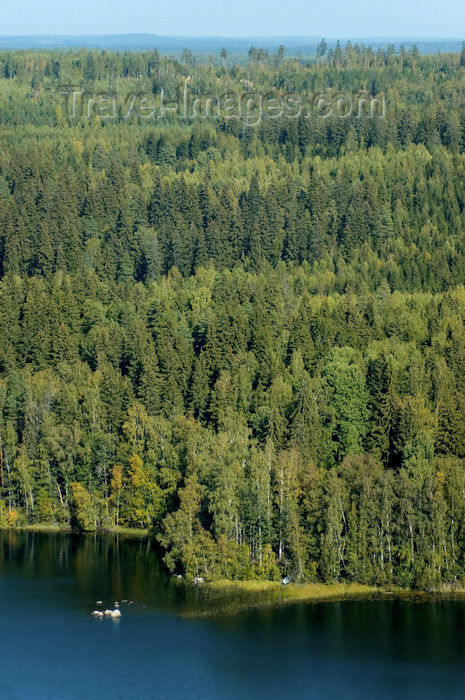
[51, 648]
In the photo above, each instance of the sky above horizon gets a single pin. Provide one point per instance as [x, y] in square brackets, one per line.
[336, 19]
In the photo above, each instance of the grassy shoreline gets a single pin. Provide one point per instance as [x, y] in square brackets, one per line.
[230, 597]
[125, 531]
[38, 527]
[66, 530]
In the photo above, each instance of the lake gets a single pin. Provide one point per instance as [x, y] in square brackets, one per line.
[51, 647]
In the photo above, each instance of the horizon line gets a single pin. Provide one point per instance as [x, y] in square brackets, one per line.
[244, 37]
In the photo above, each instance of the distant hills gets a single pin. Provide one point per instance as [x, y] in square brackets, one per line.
[211, 44]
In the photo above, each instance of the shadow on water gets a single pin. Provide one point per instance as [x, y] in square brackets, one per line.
[84, 569]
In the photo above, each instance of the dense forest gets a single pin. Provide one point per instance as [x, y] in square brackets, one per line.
[248, 339]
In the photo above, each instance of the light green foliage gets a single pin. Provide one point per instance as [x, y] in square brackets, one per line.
[83, 508]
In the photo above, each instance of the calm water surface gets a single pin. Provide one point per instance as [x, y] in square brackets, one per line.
[51, 648]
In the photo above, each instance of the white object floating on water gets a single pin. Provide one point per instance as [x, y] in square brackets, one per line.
[98, 602]
[116, 604]
[107, 613]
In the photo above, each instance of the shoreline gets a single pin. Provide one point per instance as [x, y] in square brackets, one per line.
[125, 531]
[68, 530]
[227, 596]
[230, 597]
[38, 527]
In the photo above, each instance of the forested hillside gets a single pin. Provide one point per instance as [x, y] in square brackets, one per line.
[249, 339]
